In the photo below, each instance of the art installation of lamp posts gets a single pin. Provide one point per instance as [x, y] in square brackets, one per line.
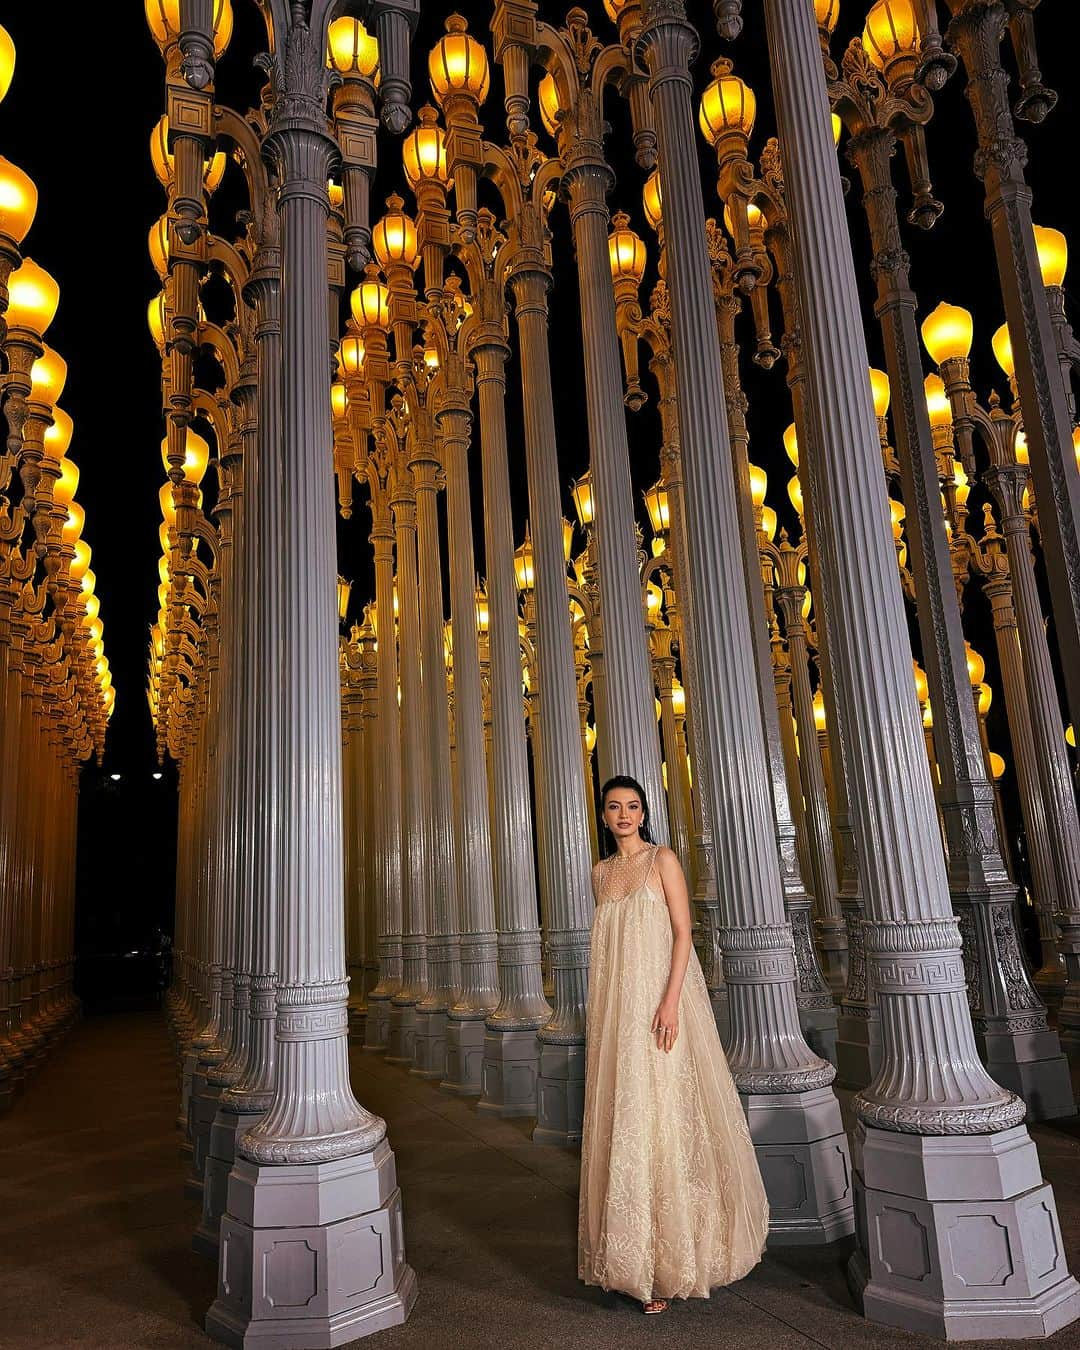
[56, 691]
[387, 826]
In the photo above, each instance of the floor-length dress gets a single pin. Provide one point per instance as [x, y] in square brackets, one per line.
[672, 1203]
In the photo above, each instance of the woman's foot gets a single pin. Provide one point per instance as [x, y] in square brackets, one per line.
[655, 1305]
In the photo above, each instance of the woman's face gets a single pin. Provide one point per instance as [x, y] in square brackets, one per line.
[622, 812]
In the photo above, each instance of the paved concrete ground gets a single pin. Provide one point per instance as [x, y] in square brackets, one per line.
[95, 1231]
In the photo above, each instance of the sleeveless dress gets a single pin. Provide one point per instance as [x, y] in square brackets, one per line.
[671, 1203]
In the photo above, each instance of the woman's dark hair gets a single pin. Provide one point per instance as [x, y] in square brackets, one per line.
[623, 780]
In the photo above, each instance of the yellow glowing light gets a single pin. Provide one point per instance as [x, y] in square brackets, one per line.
[1020, 448]
[754, 218]
[163, 18]
[922, 688]
[48, 375]
[458, 64]
[938, 406]
[78, 566]
[393, 240]
[658, 507]
[582, 496]
[794, 489]
[819, 711]
[7, 61]
[18, 200]
[896, 510]
[155, 319]
[759, 485]
[339, 399]
[370, 303]
[976, 666]
[73, 527]
[728, 105]
[163, 163]
[890, 31]
[67, 484]
[523, 565]
[997, 765]
[791, 445]
[91, 605]
[768, 522]
[196, 456]
[654, 600]
[947, 332]
[963, 487]
[626, 252]
[548, 98]
[168, 510]
[58, 437]
[826, 12]
[1070, 736]
[652, 201]
[678, 698]
[483, 611]
[1076, 446]
[33, 298]
[164, 570]
[1053, 250]
[351, 49]
[158, 245]
[986, 697]
[351, 355]
[1002, 345]
[423, 151]
[837, 128]
[879, 389]
[336, 194]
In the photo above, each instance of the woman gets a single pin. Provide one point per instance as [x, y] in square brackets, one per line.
[672, 1202]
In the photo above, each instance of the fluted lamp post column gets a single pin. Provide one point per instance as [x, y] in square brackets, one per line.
[794, 1116]
[933, 1128]
[315, 1176]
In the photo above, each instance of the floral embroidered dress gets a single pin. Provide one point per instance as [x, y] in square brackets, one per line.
[672, 1203]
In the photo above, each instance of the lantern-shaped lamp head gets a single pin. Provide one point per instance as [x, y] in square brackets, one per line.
[370, 301]
[163, 18]
[947, 332]
[1053, 250]
[651, 200]
[393, 240]
[18, 200]
[656, 503]
[58, 436]
[483, 611]
[937, 401]
[523, 564]
[582, 495]
[791, 445]
[548, 98]
[826, 12]
[1001, 342]
[351, 355]
[196, 456]
[626, 252]
[48, 375]
[343, 591]
[67, 484]
[458, 64]
[33, 298]
[880, 391]
[891, 35]
[759, 485]
[794, 489]
[423, 151]
[728, 106]
[352, 50]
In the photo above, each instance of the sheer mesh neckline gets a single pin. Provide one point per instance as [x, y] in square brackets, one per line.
[620, 877]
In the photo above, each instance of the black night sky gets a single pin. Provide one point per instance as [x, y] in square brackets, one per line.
[88, 88]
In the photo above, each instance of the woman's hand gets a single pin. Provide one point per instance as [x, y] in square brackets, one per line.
[665, 1025]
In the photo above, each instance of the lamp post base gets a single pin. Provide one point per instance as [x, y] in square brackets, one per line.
[464, 1055]
[401, 1034]
[510, 1072]
[802, 1151]
[219, 1163]
[560, 1094]
[819, 1028]
[1031, 1065]
[312, 1255]
[377, 1026]
[429, 1050]
[958, 1236]
[858, 1046]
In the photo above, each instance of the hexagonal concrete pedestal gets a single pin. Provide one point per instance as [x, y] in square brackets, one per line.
[510, 1071]
[219, 1163]
[802, 1151]
[312, 1256]
[958, 1236]
[560, 1094]
[429, 1046]
[464, 1056]
[377, 1028]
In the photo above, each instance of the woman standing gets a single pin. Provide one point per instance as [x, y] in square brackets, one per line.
[672, 1202]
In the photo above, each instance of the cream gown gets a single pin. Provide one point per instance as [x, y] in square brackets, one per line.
[672, 1203]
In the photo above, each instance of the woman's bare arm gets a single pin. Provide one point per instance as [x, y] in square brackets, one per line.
[666, 1022]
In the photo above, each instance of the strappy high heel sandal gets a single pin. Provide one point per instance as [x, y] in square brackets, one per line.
[655, 1305]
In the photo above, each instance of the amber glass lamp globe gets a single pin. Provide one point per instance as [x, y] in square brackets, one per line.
[626, 251]
[423, 151]
[67, 484]
[393, 240]
[1001, 343]
[791, 445]
[890, 31]
[158, 245]
[351, 354]
[33, 298]
[196, 456]
[727, 106]
[80, 563]
[163, 19]
[1053, 250]
[18, 200]
[826, 12]
[7, 61]
[155, 320]
[947, 332]
[880, 391]
[58, 436]
[48, 375]
[458, 64]
[548, 99]
[351, 49]
[370, 304]
[73, 527]
[938, 406]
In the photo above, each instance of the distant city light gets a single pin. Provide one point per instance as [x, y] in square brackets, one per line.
[115, 777]
[155, 775]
